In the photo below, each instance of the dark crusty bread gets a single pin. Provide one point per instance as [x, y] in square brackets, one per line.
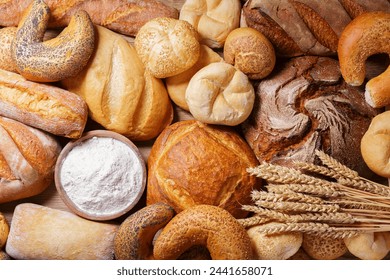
[311, 27]
[306, 105]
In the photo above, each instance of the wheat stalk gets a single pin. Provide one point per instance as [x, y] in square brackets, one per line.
[317, 190]
[336, 165]
[298, 206]
[292, 196]
[318, 169]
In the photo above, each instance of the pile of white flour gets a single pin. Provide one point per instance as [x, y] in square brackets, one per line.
[102, 176]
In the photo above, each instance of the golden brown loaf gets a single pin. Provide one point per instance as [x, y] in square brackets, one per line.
[42, 233]
[177, 85]
[167, 46]
[43, 106]
[122, 16]
[219, 93]
[27, 160]
[121, 95]
[250, 51]
[193, 163]
[312, 27]
[55, 59]
[213, 19]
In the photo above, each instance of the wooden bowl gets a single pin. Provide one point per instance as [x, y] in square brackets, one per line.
[94, 206]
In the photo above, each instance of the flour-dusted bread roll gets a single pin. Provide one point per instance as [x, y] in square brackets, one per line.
[305, 105]
[213, 19]
[192, 163]
[167, 46]
[27, 160]
[219, 93]
[42, 233]
[121, 95]
[177, 85]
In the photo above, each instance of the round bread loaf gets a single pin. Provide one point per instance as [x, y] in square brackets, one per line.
[250, 51]
[219, 93]
[192, 163]
[121, 95]
[213, 19]
[306, 105]
[27, 160]
[177, 85]
[167, 46]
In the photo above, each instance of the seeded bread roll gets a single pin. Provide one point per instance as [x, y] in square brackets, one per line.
[121, 95]
[192, 163]
[167, 46]
[27, 160]
[305, 106]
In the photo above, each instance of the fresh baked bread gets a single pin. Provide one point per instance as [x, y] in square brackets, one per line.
[167, 46]
[27, 160]
[121, 95]
[369, 246]
[43, 106]
[375, 145]
[4, 231]
[213, 19]
[7, 35]
[250, 51]
[192, 163]
[177, 85]
[304, 106]
[122, 16]
[311, 27]
[42, 233]
[219, 93]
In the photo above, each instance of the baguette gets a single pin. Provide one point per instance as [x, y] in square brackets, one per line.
[43, 106]
[305, 27]
[122, 16]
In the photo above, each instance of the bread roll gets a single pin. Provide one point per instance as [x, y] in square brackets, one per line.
[27, 160]
[219, 93]
[120, 94]
[375, 145]
[250, 51]
[43, 106]
[177, 85]
[322, 247]
[369, 246]
[305, 106]
[193, 163]
[167, 46]
[42, 233]
[310, 27]
[213, 19]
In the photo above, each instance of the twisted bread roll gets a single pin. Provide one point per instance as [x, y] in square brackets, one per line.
[219, 93]
[43, 106]
[122, 16]
[27, 160]
[213, 19]
[121, 95]
[375, 145]
[205, 225]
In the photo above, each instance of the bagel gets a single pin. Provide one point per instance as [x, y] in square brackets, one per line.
[56, 59]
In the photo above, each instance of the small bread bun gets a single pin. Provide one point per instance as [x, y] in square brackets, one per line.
[220, 94]
[369, 246]
[275, 246]
[250, 51]
[375, 145]
[177, 85]
[167, 46]
[213, 19]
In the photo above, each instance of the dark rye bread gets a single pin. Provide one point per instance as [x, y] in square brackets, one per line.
[305, 27]
[306, 105]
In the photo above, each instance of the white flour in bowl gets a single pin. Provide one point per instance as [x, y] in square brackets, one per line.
[102, 176]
